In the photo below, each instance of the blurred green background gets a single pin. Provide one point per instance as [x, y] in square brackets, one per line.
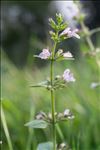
[24, 29]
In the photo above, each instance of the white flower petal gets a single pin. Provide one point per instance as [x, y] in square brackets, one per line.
[67, 55]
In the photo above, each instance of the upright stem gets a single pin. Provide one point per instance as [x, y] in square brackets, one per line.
[52, 97]
[87, 37]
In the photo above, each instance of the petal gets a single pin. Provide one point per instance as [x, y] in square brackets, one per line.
[76, 35]
[65, 31]
[67, 54]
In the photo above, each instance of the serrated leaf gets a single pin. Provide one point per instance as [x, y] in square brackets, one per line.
[41, 124]
[45, 146]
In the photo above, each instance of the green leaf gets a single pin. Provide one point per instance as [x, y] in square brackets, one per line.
[37, 124]
[41, 84]
[45, 146]
[63, 58]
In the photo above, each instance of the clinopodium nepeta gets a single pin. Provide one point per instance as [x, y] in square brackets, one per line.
[60, 32]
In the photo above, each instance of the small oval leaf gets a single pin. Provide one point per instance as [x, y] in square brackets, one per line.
[45, 146]
[37, 124]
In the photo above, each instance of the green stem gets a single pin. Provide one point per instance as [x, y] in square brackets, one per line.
[53, 98]
[4, 123]
[94, 31]
[89, 42]
[87, 37]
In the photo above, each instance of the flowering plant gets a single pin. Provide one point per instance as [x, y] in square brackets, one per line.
[42, 120]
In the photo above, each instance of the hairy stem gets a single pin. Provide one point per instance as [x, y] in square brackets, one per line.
[53, 98]
[4, 123]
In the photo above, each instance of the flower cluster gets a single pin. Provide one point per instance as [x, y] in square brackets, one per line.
[46, 54]
[67, 114]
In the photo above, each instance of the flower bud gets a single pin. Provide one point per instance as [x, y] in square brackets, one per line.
[52, 33]
[52, 23]
[49, 87]
[68, 114]
[60, 116]
[57, 77]
[59, 18]
[50, 116]
[40, 115]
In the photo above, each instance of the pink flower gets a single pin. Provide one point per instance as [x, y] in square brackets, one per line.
[67, 55]
[68, 76]
[45, 54]
[70, 33]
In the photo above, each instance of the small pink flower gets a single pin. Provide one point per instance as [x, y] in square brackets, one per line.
[45, 54]
[70, 33]
[67, 55]
[68, 76]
